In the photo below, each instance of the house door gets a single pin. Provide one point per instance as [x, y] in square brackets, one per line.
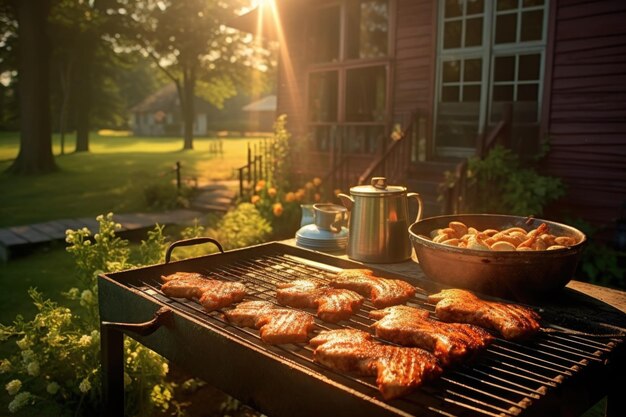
[489, 54]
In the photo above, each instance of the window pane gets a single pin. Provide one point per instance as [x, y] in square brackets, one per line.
[502, 93]
[452, 35]
[450, 94]
[527, 92]
[529, 67]
[530, 3]
[324, 35]
[506, 4]
[366, 94]
[506, 28]
[474, 32]
[475, 6]
[367, 29]
[472, 70]
[451, 71]
[504, 68]
[471, 93]
[323, 96]
[532, 25]
[454, 8]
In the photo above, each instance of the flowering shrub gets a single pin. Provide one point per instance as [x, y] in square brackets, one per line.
[281, 207]
[54, 359]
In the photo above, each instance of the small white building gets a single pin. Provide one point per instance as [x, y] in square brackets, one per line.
[159, 115]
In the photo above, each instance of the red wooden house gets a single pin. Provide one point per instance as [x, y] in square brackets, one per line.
[408, 88]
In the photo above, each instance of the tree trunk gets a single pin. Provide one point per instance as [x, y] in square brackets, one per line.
[66, 82]
[35, 154]
[189, 83]
[85, 57]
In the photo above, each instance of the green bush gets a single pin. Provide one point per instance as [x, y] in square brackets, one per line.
[53, 360]
[500, 183]
[166, 196]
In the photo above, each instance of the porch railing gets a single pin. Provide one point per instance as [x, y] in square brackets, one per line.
[455, 195]
[394, 162]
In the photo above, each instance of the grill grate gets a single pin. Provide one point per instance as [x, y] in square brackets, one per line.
[504, 380]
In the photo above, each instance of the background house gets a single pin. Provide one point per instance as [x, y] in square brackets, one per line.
[159, 115]
[449, 75]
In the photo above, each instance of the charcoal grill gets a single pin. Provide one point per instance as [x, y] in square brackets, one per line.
[563, 371]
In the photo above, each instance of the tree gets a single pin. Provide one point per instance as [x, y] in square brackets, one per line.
[190, 43]
[35, 154]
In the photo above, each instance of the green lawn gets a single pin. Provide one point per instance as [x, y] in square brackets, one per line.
[111, 177]
[108, 178]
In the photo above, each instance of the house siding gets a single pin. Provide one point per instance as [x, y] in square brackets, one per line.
[586, 114]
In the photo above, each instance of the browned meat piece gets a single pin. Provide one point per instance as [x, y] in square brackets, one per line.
[276, 325]
[398, 370]
[212, 294]
[514, 322]
[408, 326]
[332, 304]
[382, 291]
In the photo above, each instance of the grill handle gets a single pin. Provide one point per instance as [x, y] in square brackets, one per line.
[145, 328]
[190, 242]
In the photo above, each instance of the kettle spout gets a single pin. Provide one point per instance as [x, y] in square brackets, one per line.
[346, 200]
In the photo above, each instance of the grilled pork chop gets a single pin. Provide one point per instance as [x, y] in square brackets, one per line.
[382, 291]
[514, 322]
[409, 326]
[276, 325]
[332, 304]
[212, 294]
[398, 370]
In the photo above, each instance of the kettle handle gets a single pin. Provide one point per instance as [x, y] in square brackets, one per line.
[420, 203]
[347, 201]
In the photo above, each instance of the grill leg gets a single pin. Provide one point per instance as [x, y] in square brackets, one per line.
[112, 359]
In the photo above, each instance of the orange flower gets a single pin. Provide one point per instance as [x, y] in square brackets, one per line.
[309, 185]
[317, 181]
[255, 199]
[271, 192]
[337, 192]
[259, 185]
[277, 209]
[300, 194]
[317, 197]
[290, 197]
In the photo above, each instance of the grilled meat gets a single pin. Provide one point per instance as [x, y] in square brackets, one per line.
[382, 291]
[398, 370]
[409, 326]
[212, 294]
[276, 325]
[512, 321]
[332, 304]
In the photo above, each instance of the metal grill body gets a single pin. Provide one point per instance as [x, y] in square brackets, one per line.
[540, 377]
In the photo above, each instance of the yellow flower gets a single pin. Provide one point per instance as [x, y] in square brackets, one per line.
[255, 199]
[317, 181]
[84, 386]
[290, 197]
[271, 192]
[52, 388]
[277, 209]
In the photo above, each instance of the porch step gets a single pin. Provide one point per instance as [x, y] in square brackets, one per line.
[425, 178]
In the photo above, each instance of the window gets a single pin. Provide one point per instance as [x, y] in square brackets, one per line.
[490, 55]
[348, 83]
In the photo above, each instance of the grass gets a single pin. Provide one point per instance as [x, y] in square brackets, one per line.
[111, 177]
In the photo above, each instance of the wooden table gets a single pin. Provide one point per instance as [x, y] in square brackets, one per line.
[584, 302]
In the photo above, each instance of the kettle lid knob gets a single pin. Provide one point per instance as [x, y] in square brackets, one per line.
[379, 183]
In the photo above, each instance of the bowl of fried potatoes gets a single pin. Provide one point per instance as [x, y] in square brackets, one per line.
[522, 258]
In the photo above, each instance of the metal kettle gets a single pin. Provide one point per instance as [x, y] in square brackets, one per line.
[379, 223]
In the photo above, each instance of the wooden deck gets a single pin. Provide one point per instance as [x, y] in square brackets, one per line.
[15, 237]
